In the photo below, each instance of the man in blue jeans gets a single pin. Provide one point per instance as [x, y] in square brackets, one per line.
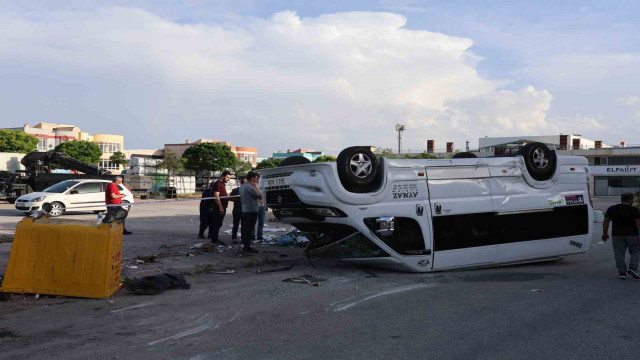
[626, 220]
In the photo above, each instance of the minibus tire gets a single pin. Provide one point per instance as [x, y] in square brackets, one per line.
[464, 155]
[353, 177]
[294, 160]
[540, 160]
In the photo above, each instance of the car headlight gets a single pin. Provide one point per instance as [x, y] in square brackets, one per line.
[38, 199]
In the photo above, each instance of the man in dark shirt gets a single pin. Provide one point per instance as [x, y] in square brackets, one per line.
[219, 207]
[206, 207]
[626, 220]
[237, 210]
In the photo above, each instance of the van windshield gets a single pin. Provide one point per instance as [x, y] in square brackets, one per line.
[61, 187]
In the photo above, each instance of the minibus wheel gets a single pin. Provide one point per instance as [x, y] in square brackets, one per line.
[464, 155]
[358, 169]
[294, 160]
[540, 161]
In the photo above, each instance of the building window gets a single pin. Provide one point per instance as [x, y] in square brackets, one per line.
[109, 148]
[107, 164]
[42, 144]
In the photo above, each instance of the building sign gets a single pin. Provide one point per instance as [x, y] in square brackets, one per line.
[615, 170]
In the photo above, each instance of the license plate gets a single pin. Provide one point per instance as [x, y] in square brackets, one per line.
[275, 182]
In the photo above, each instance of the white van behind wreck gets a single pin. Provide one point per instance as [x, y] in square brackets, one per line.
[426, 215]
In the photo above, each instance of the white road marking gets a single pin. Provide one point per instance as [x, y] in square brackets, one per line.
[133, 307]
[210, 324]
[345, 304]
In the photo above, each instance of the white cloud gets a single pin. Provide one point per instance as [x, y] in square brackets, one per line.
[629, 100]
[284, 82]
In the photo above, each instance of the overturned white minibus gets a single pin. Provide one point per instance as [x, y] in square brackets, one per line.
[426, 215]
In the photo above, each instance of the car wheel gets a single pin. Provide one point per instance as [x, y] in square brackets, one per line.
[464, 155]
[57, 209]
[294, 160]
[540, 161]
[358, 169]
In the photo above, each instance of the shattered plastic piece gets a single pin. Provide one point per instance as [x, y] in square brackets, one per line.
[197, 246]
[37, 296]
[600, 243]
[286, 240]
[286, 268]
[302, 241]
[537, 290]
[274, 230]
[132, 267]
[304, 279]
[228, 271]
[139, 262]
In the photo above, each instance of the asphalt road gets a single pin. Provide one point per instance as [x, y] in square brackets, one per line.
[572, 309]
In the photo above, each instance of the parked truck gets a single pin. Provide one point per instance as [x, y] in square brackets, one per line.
[39, 174]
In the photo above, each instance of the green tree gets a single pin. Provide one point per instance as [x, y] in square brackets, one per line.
[268, 163]
[17, 142]
[171, 162]
[423, 155]
[324, 158]
[209, 157]
[385, 152]
[240, 168]
[118, 158]
[86, 151]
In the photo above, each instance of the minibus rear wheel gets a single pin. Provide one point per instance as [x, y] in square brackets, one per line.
[540, 161]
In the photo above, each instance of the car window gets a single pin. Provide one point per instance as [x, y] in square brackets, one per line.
[120, 187]
[88, 188]
[61, 187]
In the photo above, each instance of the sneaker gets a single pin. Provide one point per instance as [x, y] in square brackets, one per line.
[126, 232]
[251, 250]
[622, 276]
[634, 273]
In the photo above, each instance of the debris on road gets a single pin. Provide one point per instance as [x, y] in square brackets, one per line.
[305, 279]
[286, 268]
[537, 290]
[156, 284]
[146, 259]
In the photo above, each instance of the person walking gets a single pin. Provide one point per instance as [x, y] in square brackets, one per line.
[626, 220]
[206, 209]
[237, 210]
[249, 195]
[113, 197]
[219, 207]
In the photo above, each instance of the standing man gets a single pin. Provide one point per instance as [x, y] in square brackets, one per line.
[219, 207]
[113, 197]
[261, 212]
[206, 207]
[237, 210]
[249, 196]
[626, 220]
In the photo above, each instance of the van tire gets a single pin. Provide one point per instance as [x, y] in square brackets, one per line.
[358, 169]
[540, 161]
[294, 160]
[464, 155]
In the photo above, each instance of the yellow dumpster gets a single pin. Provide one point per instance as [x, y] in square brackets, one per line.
[65, 257]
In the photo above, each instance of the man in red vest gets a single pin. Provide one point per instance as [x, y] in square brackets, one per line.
[113, 197]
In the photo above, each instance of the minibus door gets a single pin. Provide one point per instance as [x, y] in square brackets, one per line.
[461, 216]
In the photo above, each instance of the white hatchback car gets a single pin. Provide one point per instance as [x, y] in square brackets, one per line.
[71, 195]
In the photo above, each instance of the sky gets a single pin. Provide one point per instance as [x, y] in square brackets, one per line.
[323, 75]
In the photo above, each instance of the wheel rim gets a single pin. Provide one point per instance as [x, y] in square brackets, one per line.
[56, 210]
[539, 160]
[360, 165]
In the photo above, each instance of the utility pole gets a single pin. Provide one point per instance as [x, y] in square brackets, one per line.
[400, 129]
[467, 145]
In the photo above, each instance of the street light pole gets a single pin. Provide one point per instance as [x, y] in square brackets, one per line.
[400, 129]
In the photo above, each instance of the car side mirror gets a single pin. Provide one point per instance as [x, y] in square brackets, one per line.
[72, 192]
